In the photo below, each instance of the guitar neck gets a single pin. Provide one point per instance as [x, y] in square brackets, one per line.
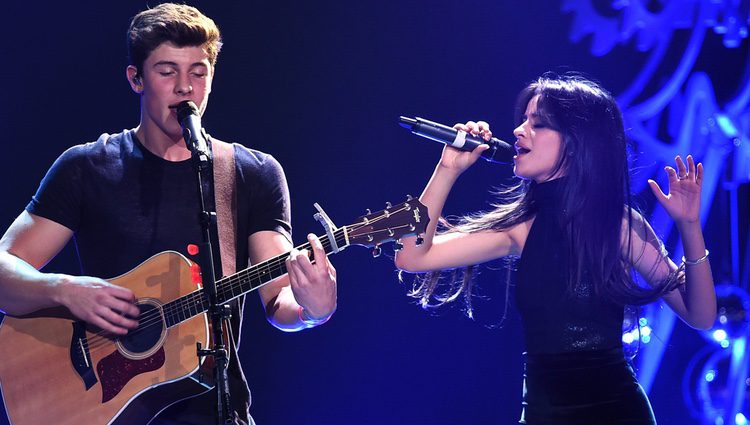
[408, 218]
[245, 281]
[252, 278]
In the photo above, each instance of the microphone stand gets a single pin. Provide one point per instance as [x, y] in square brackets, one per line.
[203, 163]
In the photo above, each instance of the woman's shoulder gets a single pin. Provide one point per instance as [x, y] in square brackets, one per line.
[638, 236]
[634, 223]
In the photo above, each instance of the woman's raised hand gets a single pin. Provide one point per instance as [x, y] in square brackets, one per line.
[684, 198]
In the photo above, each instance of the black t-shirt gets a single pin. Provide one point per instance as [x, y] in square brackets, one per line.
[125, 204]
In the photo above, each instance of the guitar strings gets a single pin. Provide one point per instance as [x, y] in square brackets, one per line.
[226, 286]
[196, 298]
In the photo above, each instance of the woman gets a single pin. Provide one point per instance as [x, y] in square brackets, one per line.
[579, 241]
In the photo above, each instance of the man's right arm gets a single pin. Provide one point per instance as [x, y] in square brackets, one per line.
[28, 244]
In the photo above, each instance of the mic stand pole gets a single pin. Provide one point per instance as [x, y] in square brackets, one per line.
[203, 163]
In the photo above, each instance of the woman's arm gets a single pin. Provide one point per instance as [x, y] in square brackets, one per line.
[695, 301]
[452, 249]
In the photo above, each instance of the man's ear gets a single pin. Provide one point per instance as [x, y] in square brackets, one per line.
[136, 83]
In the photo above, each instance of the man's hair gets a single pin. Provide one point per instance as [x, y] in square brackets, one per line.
[179, 24]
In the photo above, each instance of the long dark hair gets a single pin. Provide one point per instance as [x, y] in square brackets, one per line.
[595, 198]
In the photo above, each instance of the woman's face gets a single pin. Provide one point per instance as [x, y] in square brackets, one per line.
[538, 147]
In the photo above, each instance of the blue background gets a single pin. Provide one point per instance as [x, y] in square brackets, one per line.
[320, 85]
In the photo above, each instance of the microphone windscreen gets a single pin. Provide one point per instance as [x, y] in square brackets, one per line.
[185, 109]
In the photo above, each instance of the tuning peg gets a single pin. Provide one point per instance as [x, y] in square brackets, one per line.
[376, 251]
[419, 241]
[409, 197]
[388, 205]
[368, 212]
[397, 245]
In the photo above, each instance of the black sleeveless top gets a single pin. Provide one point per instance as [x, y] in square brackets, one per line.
[557, 319]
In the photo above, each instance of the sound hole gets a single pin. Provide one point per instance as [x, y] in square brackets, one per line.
[148, 333]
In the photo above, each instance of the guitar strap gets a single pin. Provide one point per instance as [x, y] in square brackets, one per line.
[225, 193]
[226, 203]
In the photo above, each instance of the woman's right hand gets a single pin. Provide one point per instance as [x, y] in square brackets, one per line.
[458, 160]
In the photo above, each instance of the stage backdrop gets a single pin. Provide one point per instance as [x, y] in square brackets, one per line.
[320, 85]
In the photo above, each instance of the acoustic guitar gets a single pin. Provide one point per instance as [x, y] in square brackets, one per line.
[55, 369]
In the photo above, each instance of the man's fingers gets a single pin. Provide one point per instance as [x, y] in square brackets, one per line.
[292, 266]
[319, 254]
[112, 321]
[125, 308]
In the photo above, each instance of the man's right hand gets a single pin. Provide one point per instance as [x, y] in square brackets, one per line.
[24, 289]
[99, 303]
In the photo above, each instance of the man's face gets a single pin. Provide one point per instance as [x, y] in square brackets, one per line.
[171, 75]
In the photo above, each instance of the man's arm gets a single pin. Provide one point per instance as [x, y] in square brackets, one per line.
[28, 244]
[306, 296]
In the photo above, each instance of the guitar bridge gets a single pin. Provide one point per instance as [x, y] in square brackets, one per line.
[79, 355]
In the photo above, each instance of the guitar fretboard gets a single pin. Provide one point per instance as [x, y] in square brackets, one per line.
[242, 282]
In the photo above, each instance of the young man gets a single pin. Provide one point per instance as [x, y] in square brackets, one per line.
[131, 195]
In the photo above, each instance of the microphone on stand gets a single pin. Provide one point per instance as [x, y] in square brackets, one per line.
[190, 121]
[500, 152]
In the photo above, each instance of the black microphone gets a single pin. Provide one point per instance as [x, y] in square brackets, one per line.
[190, 121]
[500, 152]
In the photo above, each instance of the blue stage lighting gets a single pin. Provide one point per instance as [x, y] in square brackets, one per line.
[733, 315]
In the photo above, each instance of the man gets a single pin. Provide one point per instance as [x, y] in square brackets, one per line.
[131, 195]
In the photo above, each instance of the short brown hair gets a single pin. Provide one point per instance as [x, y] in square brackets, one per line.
[176, 23]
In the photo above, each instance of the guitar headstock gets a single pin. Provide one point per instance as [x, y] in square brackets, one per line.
[405, 219]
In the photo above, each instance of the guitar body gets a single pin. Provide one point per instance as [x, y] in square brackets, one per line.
[53, 370]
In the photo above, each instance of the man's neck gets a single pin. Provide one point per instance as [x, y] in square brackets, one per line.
[161, 144]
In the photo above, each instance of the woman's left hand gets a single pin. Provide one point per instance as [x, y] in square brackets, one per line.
[684, 198]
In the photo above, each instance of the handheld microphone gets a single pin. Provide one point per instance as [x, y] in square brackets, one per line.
[500, 152]
[190, 121]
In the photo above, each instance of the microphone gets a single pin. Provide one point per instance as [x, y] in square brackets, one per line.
[500, 152]
[190, 121]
